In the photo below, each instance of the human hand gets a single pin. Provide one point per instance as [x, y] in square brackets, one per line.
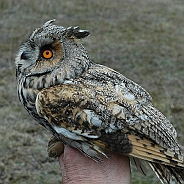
[76, 168]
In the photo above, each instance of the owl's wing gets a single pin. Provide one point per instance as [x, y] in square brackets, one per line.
[131, 96]
[65, 107]
[99, 125]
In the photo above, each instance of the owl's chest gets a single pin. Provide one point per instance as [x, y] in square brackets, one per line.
[27, 96]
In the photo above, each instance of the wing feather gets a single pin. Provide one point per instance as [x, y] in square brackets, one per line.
[101, 117]
[134, 100]
[81, 109]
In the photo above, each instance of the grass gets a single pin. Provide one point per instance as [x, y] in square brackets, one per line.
[141, 39]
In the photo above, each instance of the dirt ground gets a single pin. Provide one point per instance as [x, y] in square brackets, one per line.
[142, 39]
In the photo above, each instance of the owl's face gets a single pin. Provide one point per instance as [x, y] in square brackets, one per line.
[48, 48]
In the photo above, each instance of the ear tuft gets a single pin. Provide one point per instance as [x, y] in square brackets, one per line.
[76, 32]
[49, 22]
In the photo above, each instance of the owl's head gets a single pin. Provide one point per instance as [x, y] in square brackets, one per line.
[50, 47]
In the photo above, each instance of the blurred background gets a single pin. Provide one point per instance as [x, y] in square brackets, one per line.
[142, 39]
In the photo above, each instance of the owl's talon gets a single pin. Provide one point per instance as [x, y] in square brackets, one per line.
[55, 147]
[52, 154]
[52, 141]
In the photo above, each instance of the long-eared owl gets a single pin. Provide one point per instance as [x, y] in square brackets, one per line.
[92, 107]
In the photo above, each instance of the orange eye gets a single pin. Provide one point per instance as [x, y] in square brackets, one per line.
[47, 53]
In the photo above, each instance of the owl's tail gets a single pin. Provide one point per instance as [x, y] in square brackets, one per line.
[167, 164]
[167, 173]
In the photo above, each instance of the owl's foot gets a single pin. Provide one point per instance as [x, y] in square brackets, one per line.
[55, 147]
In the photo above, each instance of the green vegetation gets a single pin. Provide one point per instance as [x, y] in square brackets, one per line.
[144, 40]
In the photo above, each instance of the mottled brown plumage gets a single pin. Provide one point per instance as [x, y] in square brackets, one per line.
[92, 107]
